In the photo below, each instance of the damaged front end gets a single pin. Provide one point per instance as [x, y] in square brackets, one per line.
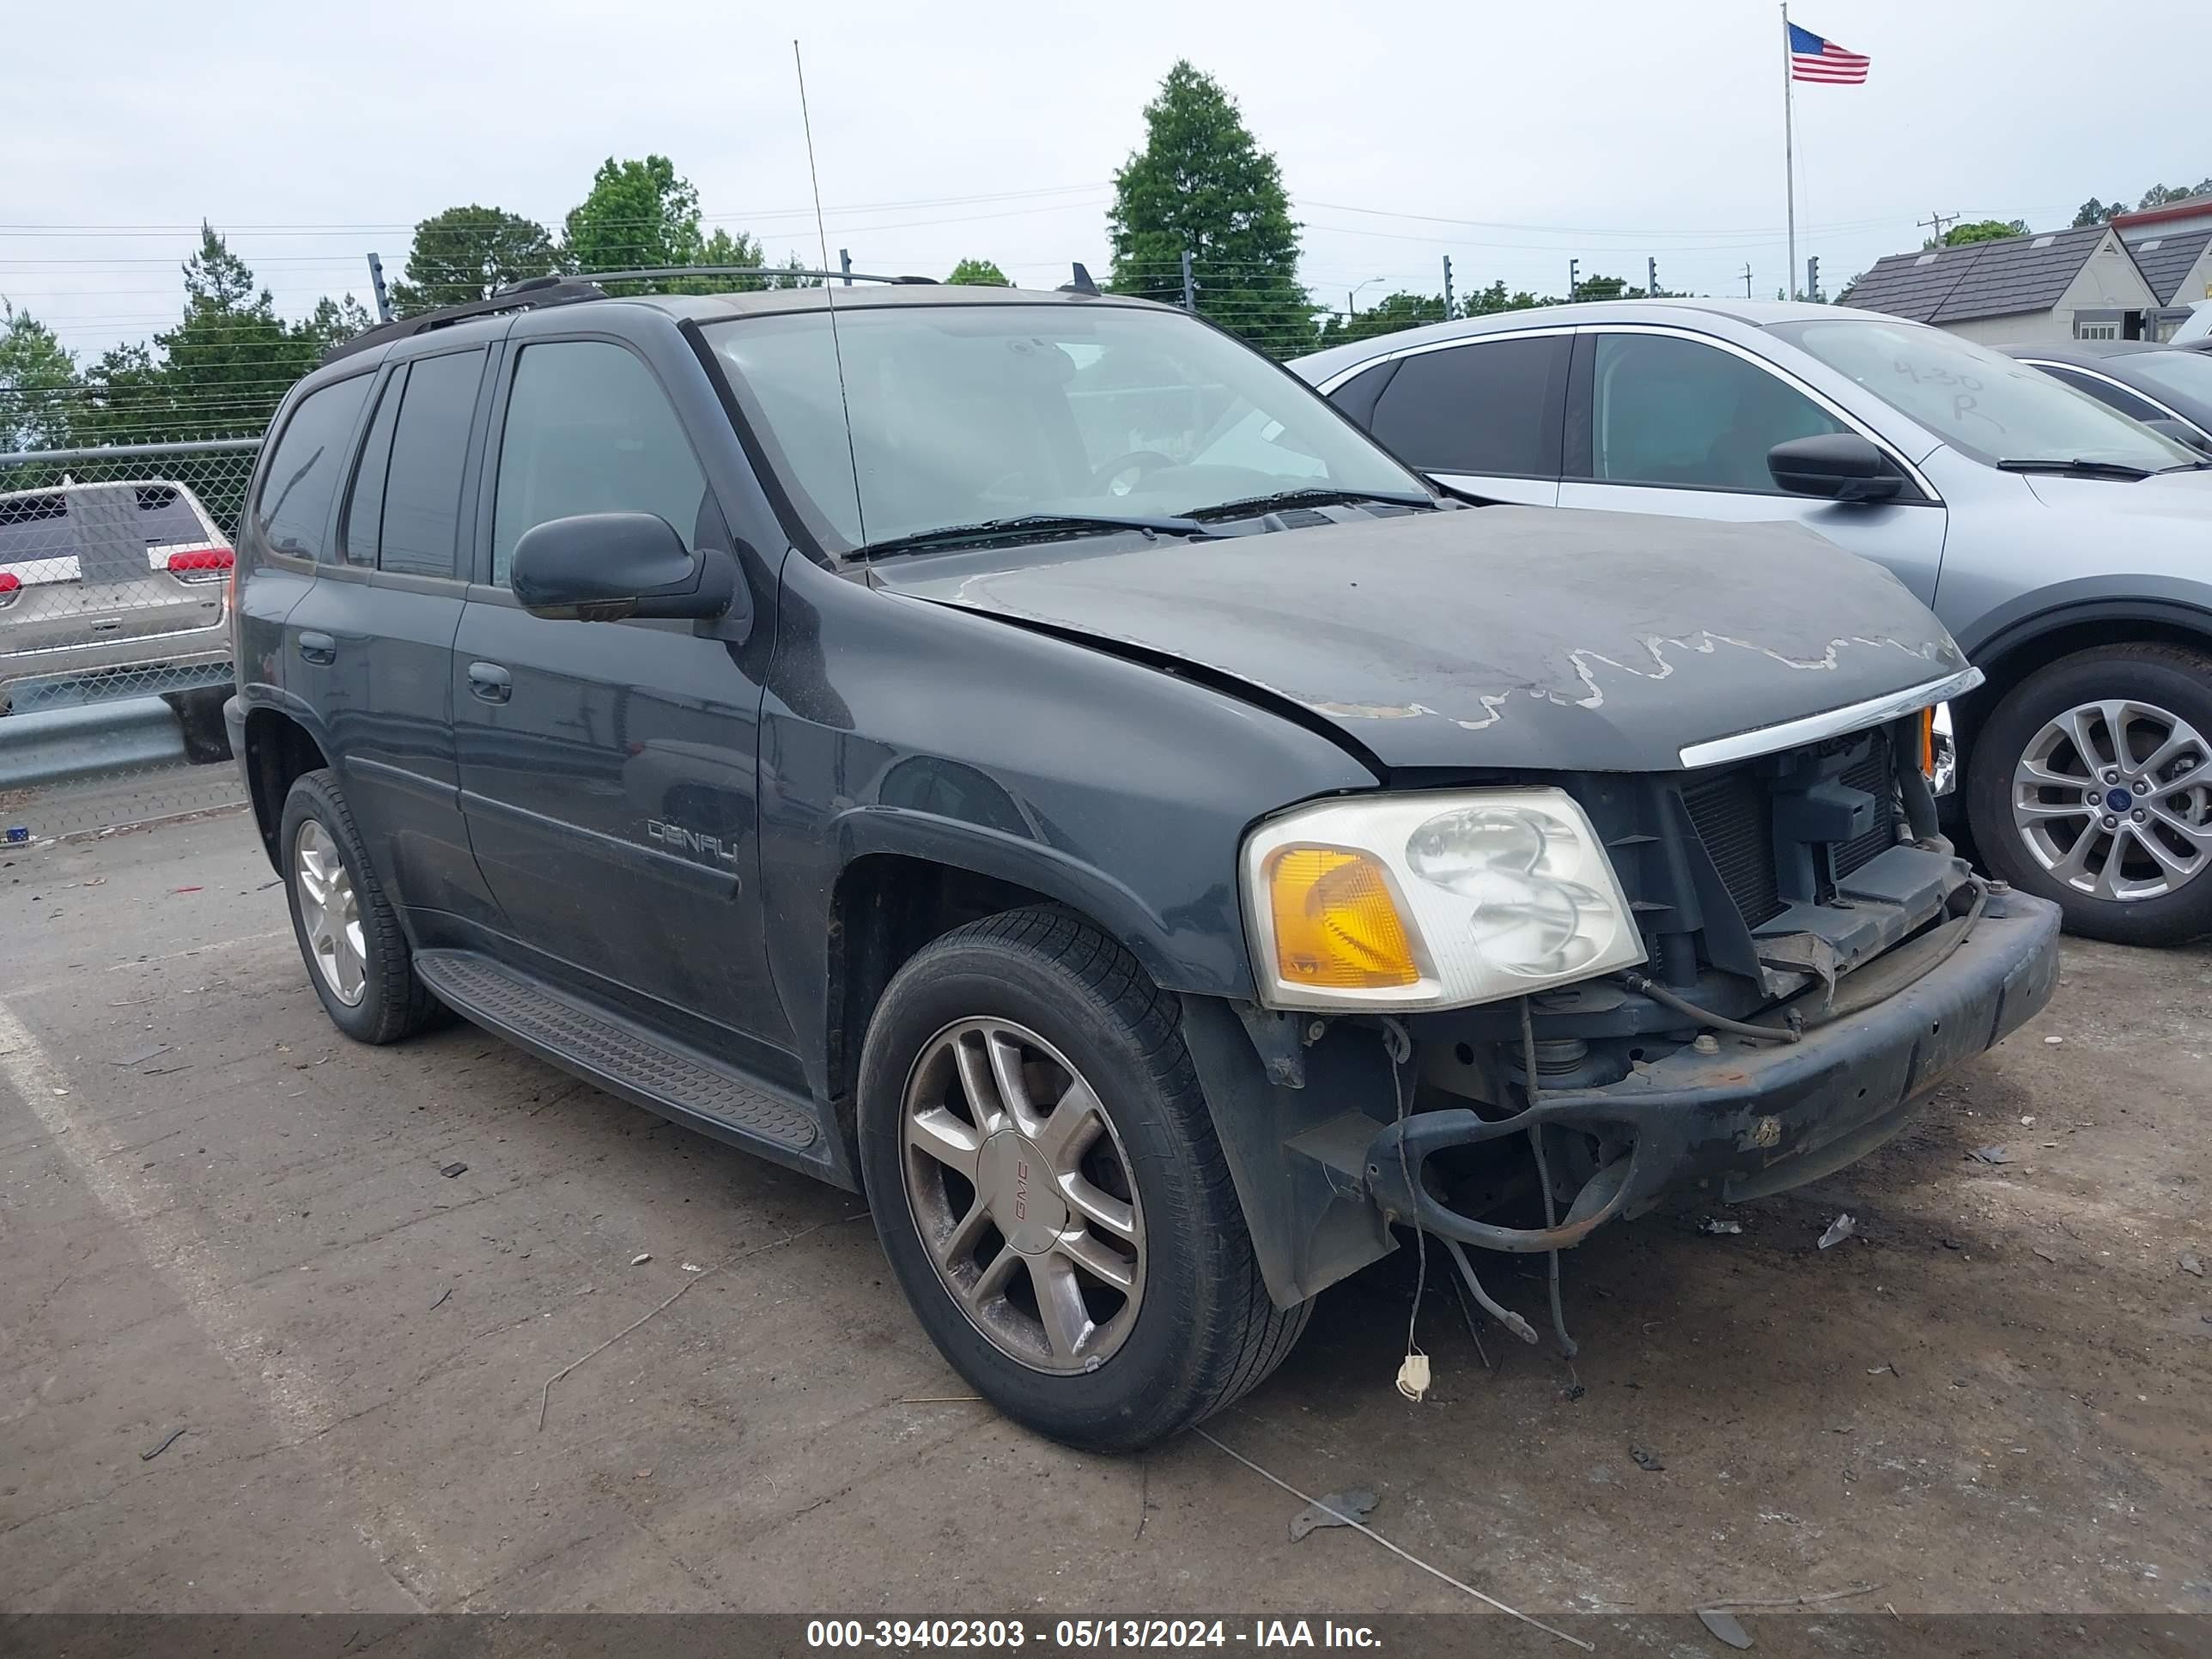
[1805, 956]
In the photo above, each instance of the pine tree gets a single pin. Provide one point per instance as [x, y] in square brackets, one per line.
[1202, 183]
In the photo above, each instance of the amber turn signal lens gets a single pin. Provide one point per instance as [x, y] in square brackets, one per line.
[1928, 744]
[1336, 925]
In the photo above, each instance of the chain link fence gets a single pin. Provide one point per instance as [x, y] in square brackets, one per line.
[115, 569]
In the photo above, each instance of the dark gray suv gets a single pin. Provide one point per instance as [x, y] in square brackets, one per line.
[1029, 758]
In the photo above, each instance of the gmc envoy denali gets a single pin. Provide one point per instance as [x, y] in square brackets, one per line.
[1028, 758]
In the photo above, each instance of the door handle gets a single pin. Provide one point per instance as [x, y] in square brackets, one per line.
[318, 648]
[490, 683]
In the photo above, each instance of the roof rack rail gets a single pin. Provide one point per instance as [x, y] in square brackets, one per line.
[516, 297]
[531, 292]
[686, 272]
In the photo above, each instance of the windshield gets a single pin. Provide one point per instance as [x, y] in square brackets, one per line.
[966, 414]
[1980, 401]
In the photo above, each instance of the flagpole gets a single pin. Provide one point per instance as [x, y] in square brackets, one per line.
[1789, 151]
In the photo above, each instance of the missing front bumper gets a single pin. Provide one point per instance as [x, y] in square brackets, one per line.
[1750, 1119]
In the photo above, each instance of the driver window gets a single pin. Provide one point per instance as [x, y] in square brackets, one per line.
[589, 430]
[1674, 411]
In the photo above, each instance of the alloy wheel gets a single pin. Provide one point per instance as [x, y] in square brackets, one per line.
[1021, 1192]
[330, 912]
[2114, 799]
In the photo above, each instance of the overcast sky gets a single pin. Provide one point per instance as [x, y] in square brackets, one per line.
[1512, 139]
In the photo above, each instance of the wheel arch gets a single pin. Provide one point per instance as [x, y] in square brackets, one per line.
[280, 747]
[2016, 646]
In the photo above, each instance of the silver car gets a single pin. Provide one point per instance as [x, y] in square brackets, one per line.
[115, 590]
[2067, 547]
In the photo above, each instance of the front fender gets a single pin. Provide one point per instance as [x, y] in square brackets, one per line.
[986, 850]
[895, 726]
[2170, 601]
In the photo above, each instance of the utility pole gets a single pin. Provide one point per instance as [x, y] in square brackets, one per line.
[1448, 294]
[1574, 277]
[1189, 288]
[1939, 222]
[1651, 278]
[845, 265]
[376, 286]
[1746, 280]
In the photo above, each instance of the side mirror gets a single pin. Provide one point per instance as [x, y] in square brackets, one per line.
[1839, 466]
[2182, 433]
[602, 567]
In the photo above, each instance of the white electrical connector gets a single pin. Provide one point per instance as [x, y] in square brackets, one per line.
[1413, 1376]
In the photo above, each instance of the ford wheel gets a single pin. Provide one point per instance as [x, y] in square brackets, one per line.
[2091, 784]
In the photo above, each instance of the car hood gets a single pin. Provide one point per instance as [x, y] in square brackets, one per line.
[1519, 637]
[2185, 497]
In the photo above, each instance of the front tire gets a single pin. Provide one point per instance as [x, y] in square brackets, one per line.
[358, 959]
[2091, 785]
[1048, 1188]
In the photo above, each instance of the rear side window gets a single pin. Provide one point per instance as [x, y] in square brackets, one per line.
[1358, 395]
[422, 479]
[300, 483]
[364, 516]
[589, 430]
[1485, 408]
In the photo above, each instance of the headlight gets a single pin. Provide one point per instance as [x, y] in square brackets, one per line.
[1939, 749]
[1431, 901]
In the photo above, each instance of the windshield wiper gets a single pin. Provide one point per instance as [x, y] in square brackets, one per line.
[1312, 495]
[2078, 468]
[1031, 525]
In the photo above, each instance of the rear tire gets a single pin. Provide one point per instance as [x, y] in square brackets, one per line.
[2091, 785]
[1012, 1022]
[357, 957]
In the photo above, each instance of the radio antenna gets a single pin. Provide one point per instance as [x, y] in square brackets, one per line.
[830, 297]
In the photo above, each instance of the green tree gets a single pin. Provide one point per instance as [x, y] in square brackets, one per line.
[637, 216]
[1980, 230]
[792, 273]
[1386, 316]
[222, 370]
[978, 273]
[1202, 184]
[38, 386]
[335, 321]
[1605, 288]
[467, 252]
[2094, 212]
[2159, 195]
[1487, 301]
[641, 216]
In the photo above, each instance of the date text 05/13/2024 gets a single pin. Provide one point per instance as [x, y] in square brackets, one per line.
[1083, 1635]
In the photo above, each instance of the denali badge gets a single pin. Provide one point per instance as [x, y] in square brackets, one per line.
[678, 839]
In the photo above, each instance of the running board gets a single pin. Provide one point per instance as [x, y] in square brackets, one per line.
[625, 1058]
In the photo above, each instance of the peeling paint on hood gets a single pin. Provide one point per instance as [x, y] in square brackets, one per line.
[1502, 637]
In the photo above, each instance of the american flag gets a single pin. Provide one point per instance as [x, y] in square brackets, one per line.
[1812, 59]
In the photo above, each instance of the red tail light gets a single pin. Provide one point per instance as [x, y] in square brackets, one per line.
[201, 558]
[9, 581]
